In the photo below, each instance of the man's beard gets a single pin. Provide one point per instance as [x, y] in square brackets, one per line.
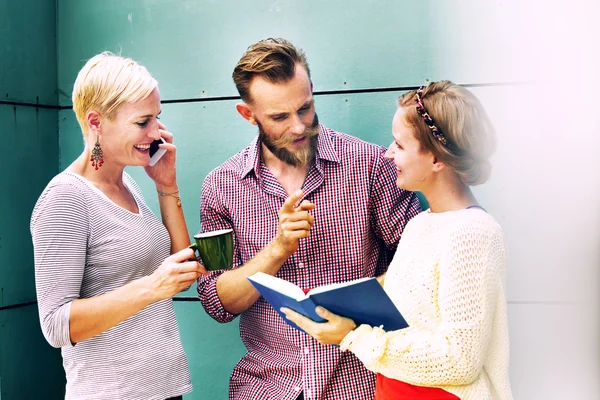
[278, 147]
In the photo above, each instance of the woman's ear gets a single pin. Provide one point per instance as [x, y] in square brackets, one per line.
[246, 112]
[93, 121]
[438, 165]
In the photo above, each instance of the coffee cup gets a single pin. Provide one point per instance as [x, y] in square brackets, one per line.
[215, 249]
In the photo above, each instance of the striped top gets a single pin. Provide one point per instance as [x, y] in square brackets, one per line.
[86, 245]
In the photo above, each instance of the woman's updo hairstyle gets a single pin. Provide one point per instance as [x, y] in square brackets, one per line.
[458, 116]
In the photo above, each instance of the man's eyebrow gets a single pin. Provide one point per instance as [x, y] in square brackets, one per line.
[275, 113]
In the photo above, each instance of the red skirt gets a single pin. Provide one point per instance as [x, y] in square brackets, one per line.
[392, 389]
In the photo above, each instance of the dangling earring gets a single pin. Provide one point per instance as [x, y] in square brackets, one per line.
[97, 158]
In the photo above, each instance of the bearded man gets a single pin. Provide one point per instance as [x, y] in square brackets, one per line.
[307, 204]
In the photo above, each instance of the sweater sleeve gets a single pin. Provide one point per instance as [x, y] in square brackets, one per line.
[59, 230]
[451, 352]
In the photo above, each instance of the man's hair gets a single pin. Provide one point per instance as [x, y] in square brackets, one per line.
[272, 59]
[106, 82]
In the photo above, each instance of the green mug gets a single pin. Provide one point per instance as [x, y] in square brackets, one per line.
[215, 248]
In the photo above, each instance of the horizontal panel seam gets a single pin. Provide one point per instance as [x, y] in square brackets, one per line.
[316, 93]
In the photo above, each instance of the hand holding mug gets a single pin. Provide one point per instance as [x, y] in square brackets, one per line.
[175, 274]
[215, 248]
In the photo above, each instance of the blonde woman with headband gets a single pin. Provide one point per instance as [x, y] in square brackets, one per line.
[105, 267]
[447, 276]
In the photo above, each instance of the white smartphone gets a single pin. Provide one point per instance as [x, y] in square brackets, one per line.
[156, 152]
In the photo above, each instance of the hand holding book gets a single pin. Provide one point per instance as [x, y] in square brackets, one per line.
[330, 332]
[361, 301]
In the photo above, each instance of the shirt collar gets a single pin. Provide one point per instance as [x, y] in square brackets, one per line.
[325, 151]
[251, 157]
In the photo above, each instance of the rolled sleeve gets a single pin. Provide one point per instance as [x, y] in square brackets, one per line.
[207, 293]
[55, 326]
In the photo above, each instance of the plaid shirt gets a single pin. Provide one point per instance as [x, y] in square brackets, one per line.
[359, 217]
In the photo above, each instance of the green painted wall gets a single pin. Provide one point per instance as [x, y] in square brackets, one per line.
[191, 46]
[27, 75]
[29, 368]
[28, 46]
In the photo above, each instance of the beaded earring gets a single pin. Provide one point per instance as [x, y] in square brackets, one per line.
[97, 157]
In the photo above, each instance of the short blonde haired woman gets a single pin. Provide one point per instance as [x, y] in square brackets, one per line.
[106, 268]
[447, 276]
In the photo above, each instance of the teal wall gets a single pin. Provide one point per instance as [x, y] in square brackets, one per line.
[191, 47]
[29, 368]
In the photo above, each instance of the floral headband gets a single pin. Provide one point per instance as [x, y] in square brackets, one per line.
[437, 132]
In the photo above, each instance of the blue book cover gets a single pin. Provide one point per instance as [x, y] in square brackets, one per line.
[362, 300]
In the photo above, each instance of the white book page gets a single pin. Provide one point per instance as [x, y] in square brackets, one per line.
[279, 285]
[326, 288]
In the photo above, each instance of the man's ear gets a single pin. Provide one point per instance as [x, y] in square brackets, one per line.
[93, 121]
[246, 112]
[311, 86]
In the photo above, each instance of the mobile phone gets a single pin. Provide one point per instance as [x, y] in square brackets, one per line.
[156, 152]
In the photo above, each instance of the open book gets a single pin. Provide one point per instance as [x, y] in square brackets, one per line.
[362, 300]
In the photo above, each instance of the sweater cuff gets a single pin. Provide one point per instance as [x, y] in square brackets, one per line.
[368, 344]
[348, 339]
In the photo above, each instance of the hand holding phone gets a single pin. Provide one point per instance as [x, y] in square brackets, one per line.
[156, 152]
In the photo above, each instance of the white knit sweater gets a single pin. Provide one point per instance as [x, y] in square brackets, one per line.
[447, 280]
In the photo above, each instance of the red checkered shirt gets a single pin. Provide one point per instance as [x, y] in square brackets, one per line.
[359, 217]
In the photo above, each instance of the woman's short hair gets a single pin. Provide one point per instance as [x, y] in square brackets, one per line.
[106, 82]
[273, 59]
[463, 121]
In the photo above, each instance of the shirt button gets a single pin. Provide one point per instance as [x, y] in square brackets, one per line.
[300, 265]
[297, 389]
[307, 393]
[306, 350]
